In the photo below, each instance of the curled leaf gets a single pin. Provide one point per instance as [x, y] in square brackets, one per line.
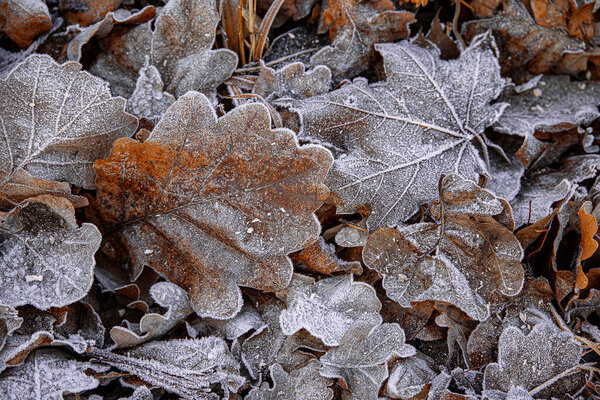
[24, 20]
[214, 204]
[45, 258]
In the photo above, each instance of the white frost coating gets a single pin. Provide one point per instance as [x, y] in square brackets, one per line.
[528, 361]
[292, 82]
[9, 322]
[140, 393]
[179, 47]
[47, 374]
[148, 99]
[329, 308]
[301, 384]
[187, 367]
[55, 121]
[40, 238]
[409, 376]
[361, 358]
[401, 135]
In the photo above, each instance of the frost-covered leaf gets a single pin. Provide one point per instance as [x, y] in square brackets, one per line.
[148, 99]
[140, 393]
[47, 374]
[9, 322]
[527, 46]
[246, 320]
[329, 308]
[46, 259]
[24, 20]
[55, 122]
[361, 358]
[320, 257]
[84, 13]
[353, 28]
[102, 28]
[179, 46]
[292, 82]
[214, 204]
[271, 346]
[399, 136]
[474, 258]
[153, 325]
[187, 367]
[410, 376]
[301, 384]
[529, 360]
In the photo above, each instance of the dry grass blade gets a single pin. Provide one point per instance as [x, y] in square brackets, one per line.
[264, 29]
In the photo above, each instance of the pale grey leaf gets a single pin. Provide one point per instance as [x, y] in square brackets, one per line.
[55, 121]
[292, 82]
[9, 322]
[148, 99]
[246, 320]
[187, 367]
[329, 308]
[361, 358]
[529, 360]
[47, 375]
[303, 383]
[153, 325]
[410, 376]
[140, 393]
[399, 136]
[45, 258]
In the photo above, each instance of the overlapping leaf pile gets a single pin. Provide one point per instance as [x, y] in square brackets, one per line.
[299, 199]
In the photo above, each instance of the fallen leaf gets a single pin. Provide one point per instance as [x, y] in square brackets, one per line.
[57, 120]
[48, 374]
[474, 256]
[9, 322]
[46, 258]
[394, 149]
[292, 82]
[301, 384]
[23, 20]
[178, 43]
[214, 204]
[589, 227]
[329, 308]
[186, 367]
[320, 257]
[360, 360]
[410, 377]
[85, 12]
[353, 28]
[148, 99]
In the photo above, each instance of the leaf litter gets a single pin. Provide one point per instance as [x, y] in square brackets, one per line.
[299, 199]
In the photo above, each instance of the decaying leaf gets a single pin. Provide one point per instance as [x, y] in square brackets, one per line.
[48, 374]
[396, 148]
[474, 256]
[292, 82]
[56, 121]
[154, 325]
[24, 20]
[329, 308]
[589, 227]
[301, 384]
[84, 12]
[527, 361]
[354, 27]
[214, 204]
[320, 257]
[361, 358]
[187, 367]
[178, 44]
[46, 259]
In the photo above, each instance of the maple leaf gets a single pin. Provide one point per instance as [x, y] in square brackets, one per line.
[354, 27]
[399, 136]
[187, 367]
[361, 358]
[527, 361]
[55, 121]
[178, 43]
[23, 20]
[303, 383]
[329, 308]
[48, 374]
[474, 255]
[214, 204]
[48, 261]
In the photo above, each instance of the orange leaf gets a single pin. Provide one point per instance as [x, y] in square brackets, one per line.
[589, 227]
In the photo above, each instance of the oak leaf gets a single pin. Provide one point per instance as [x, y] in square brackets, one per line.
[292, 82]
[392, 148]
[24, 20]
[46, 259]
[55, 121]
[214, 204]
